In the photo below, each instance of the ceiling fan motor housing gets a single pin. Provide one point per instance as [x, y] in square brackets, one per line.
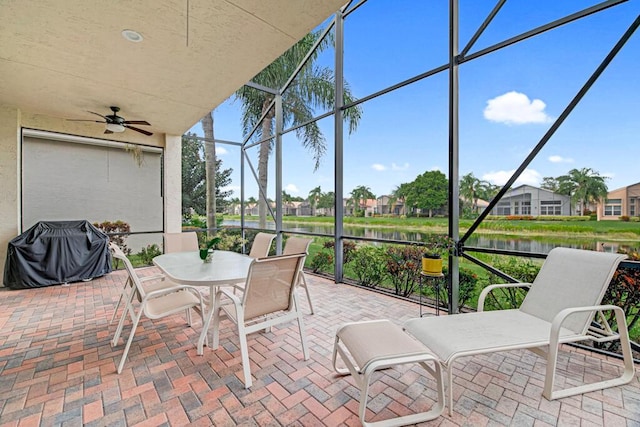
[115, 118]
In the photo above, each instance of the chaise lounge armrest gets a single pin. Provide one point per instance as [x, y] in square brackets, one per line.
[555, 341]
[490, 289]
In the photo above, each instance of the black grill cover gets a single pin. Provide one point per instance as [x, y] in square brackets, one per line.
[54, 252]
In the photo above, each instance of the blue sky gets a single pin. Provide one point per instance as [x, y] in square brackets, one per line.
[508, 99]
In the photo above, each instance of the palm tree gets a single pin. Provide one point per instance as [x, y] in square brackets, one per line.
[472, 189]
[399, 193]
[210, 175]
[469, 190]
[327, 201]
[314, 198]
[313, 87]
[360, 195]
[584, 185]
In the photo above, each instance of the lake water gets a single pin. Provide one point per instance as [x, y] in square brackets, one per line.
[536, 245]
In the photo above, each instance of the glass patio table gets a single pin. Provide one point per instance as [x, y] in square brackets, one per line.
[186, 268]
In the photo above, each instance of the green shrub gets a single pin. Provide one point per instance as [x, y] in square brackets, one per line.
[467, 287]
[146, 255]
[322, 261]
[624, 291]
[538, 218]
[369, 265]
[230, 240]
[348, 249]
[523, 270]
[118, 226]
[403, 268]
[199, 222]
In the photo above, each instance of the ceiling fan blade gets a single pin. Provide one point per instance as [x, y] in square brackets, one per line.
[107, 131]
[97, 114]
[137, 122]
[138, 130]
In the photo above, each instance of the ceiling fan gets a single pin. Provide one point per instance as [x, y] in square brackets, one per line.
[116, 123]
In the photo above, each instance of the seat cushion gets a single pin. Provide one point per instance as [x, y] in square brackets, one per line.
[170, 304]
[475, 333]
[377, 340]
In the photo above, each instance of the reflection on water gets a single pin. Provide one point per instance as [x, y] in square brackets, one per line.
[537, 245]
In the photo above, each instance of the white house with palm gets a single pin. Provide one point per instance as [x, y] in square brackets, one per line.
[534, 201]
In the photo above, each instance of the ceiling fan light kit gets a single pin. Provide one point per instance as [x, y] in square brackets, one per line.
[116, 123]
[114, 127]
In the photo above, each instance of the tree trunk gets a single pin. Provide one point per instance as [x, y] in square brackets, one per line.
[210, 174]
[263, 164]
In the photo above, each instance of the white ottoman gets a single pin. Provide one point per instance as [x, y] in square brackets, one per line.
[368, 346]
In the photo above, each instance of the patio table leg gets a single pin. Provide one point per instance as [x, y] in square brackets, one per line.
[207, 322]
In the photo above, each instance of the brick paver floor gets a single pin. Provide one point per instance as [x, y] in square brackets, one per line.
[57, 367]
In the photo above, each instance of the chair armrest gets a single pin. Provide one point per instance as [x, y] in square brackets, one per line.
[154, 277]
[161, 292]
[559, 318]
[490, 288]
[233, 297]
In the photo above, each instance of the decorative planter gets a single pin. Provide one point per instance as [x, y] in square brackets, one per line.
[432, 264]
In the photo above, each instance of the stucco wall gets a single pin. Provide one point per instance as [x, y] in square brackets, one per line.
[173, 184]
[9, 161]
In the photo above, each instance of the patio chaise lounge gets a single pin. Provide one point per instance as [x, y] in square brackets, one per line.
[560, 307]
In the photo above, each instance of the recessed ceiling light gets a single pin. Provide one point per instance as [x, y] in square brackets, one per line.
[132, 36]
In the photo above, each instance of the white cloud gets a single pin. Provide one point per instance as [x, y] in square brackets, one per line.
[560, 159]
[221, 151]
[515, 108]
[529, 177]
[291, 188]
[378, 167]
[403, 167]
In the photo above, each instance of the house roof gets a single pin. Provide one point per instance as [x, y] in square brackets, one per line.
[624, 188]
[61, 58]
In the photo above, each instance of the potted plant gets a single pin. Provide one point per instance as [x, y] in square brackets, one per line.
[435, 245]
[206, 249]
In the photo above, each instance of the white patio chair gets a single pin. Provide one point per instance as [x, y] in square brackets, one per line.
[299, 245]
[151, 283]
[261, 245]
[160, 302]
[268, 298]
[180, 242]
[559, 308]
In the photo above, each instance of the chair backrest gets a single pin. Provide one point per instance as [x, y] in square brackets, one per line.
[134, 280]
[296, 245]
[180, 242]
[571, 278]
[270, 285]
[261, 245]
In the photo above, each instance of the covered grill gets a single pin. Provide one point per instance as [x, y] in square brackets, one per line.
[56, 252]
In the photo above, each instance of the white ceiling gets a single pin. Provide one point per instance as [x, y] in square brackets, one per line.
[62, 58]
